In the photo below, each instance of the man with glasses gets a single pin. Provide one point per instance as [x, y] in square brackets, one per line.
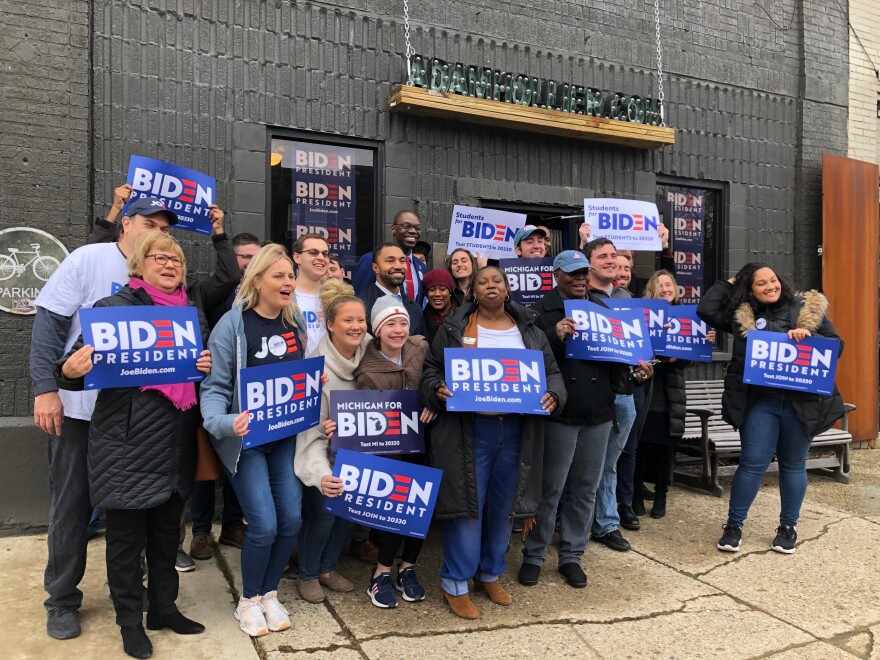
[405, 231]
[311, 254]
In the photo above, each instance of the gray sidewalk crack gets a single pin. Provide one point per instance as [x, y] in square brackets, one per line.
[226, 571]
[355, 642]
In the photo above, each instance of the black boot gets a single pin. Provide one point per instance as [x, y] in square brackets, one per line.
[176, 621]
[135, 641]
[628, 518]
[638, 506]
[659, 508]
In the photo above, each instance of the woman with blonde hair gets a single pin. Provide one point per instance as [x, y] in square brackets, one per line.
[263, 327]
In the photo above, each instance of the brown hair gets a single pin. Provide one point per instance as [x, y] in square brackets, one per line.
[652, 288]
[300, 243]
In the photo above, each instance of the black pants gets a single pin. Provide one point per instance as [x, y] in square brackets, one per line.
[130, 531]
[201, 508]
[655, 458]
[69, 513]
[388, 544]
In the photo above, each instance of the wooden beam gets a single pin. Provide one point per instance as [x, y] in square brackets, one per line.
[420, 101]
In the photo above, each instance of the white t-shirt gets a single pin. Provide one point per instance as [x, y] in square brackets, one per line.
[487, 338]
[310, 306]
[87, 274]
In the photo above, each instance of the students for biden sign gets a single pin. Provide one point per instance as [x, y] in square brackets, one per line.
[656, 316]
[485, 232]
[629, 224]
[495, 380]
[774, 360]
[141, 345]
[377, 421]
[686, 335]
[283, 399]
[607, 335]
[529, 279]
[186, 192]
[385, 494]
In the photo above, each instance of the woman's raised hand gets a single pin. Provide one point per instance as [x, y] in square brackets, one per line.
[240, 423]
[78, 364]
[331, 486]
[329, 427]
[427, 416]
[798, 334]
[443, 393]
[203, 364]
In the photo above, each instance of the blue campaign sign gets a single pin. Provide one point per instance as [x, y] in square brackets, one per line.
[384, 493]
[656, 316]
[495, 380]
[142, 345]
[607, 335]
[377, 421]
[774, 360]
[529, 279]
[283, 399]
[686, 336]
[186, 192]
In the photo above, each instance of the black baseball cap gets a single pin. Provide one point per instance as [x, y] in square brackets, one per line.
[151, 206]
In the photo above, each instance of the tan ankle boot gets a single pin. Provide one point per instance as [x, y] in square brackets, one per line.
[497, 593]
[461, 606]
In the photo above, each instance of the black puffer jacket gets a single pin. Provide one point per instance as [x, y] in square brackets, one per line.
[590, 384]
[816, 412]
[452, 448]
[141, 448]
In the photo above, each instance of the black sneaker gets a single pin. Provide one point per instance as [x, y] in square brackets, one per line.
[730, 540]
[408, 585]
[62, 623]
[574, 575]
[529, 574]
[628, 518]
[613, 539]
[184, 563]
[786, 538]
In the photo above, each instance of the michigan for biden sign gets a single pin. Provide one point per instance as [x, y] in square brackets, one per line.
[141, 345]
[282, 399]
[607, 335]
[385, 494]
[377, 421]
[495, 380]
[629, 224]
[529, 279]
[774, 360]
[485, 232]
[186, 192]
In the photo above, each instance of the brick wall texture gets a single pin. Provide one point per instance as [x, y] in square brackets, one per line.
[757, 91]
[864, 85]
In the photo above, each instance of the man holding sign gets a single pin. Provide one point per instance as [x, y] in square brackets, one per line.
[770, 421]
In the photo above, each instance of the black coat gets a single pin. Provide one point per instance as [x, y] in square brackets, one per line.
[670, 376]
[416, 320]
[590, 383]
[141, 448]
[452, 447]
[816, 412]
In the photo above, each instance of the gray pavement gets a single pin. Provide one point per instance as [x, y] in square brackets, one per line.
[674, 596]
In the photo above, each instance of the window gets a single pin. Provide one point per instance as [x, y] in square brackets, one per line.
[327, 187]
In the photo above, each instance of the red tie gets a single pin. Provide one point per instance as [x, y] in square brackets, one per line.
[410, 286]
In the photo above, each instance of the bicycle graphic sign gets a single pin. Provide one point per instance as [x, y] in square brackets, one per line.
[28, 257]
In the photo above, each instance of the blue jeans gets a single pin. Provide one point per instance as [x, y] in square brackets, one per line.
[626, 464]
[607, 518]
[574, 457]
[271, 499]
[322, 539]
[475, 547]
[771, 426]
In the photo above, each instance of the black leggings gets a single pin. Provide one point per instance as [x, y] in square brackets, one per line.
[388, 544]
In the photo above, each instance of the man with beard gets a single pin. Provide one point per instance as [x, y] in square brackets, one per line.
[390, 276]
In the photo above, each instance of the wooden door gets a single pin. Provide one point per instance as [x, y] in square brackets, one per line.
[850, 231]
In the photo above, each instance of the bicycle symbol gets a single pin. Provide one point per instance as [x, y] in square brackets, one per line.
[42, 266]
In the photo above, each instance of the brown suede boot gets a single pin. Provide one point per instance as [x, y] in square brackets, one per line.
[497, 593]
[461, 606]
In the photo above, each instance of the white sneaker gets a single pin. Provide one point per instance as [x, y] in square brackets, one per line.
[277, 617]
[250, 617]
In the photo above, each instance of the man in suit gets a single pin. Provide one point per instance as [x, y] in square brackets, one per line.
[389, 278]
[405, 232]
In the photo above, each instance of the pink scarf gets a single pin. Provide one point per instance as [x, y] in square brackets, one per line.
[182, 395]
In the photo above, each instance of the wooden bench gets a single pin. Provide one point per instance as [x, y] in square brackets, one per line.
[709, 440]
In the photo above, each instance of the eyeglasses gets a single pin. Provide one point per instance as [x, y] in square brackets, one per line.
[408, 226]
[313, 253]
[163, 259]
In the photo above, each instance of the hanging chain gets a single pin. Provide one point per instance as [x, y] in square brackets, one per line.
[659, 62]
[410, 51]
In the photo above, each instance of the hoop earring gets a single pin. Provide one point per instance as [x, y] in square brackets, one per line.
[507, 298]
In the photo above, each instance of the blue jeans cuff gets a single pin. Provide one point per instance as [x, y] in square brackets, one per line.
[454, 587]
[486, 577]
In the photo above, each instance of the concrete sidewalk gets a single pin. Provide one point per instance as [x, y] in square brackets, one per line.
[675, 596]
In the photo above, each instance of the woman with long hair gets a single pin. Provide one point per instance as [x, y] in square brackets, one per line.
[770, 421]
[263, 327]
[461, 265]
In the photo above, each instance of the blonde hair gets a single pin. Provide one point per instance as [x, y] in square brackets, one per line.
[249, 296]
[146, 243]
[652, 288]
[333, 293]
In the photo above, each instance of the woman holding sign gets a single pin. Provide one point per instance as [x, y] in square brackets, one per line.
[394, 361]
[770, 421]
[142, 446]
[263, 327]
[491, 462]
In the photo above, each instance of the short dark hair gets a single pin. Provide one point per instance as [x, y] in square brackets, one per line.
[594, 245]
[422, 247]
[378, 250]
[300, 243]
[400, 214]
[333, 258]
[244, 238]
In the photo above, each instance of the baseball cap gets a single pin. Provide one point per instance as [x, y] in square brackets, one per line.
[150, 206]
[570, 261]
[525, 232]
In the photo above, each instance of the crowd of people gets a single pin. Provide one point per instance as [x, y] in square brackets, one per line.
[580, 471]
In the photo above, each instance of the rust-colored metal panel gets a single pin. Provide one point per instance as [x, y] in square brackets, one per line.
[850, 231]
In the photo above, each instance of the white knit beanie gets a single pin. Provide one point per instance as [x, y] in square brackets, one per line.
[386, 308]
